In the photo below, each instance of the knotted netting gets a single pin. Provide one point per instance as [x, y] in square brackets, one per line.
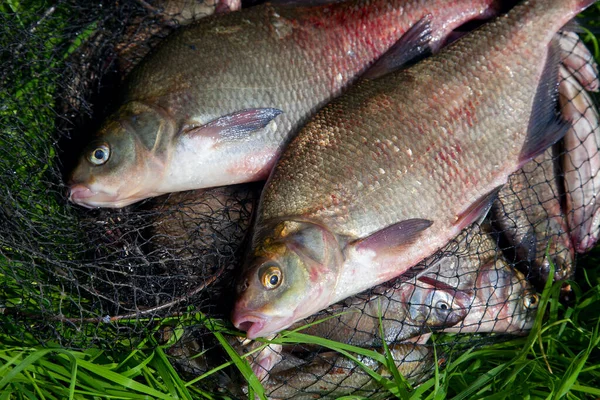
[166, 267]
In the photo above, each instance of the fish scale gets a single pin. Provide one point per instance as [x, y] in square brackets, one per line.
[344, 210]
[381, 109]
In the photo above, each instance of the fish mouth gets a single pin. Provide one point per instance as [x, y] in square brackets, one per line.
[79, 194]
[88, 198]
[258, 324]
[253, 325]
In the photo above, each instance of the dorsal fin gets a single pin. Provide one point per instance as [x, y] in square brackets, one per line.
[545, 126]
[413, 46]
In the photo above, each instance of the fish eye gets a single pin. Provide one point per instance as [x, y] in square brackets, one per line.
[442, 305]
[100, 154]
[531, 300]
[271, 276]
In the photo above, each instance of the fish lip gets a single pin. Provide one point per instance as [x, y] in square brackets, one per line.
[78, 194]
[253, 324]
[84, 196]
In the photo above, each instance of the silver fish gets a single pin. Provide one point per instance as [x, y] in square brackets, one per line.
[578, 62]
[408, 309]
[389, 172]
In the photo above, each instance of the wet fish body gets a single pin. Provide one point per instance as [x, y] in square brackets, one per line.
[578, 64]
[581, 162]
[244, 81]
[387, 173]
[446, 297]
[469, 291]
[529, 214]
[408, 310]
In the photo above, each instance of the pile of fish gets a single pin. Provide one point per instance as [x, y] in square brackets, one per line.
[399, 159]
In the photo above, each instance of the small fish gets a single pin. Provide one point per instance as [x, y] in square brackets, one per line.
[331, 375]
[243, 82]
[581, 162]
[529, 216]
[389, 172]
[505, 302]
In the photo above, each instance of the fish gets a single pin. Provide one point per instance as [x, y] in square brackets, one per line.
[394, 168]
[581, 162]
[528, 214]
[140, 36]
[528, 211]
[244, 82]
[505, 302]
[331, 375]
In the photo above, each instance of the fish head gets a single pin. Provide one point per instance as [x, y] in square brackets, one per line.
[117, 166]
[436, 304]
[558, 251]
[507, 303]
[292, 273]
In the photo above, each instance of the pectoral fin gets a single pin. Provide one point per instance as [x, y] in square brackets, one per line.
[395, 237]
[478, 210]
[237, 125]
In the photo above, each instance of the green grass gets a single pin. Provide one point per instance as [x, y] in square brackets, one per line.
[560, 357]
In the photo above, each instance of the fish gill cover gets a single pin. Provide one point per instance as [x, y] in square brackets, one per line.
[164, 268]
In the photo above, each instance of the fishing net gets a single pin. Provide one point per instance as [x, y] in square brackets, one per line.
[165, 268]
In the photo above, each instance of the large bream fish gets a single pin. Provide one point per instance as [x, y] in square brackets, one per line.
[216, 101]
[393, 169]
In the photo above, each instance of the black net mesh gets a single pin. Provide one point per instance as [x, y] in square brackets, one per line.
[109, 278]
